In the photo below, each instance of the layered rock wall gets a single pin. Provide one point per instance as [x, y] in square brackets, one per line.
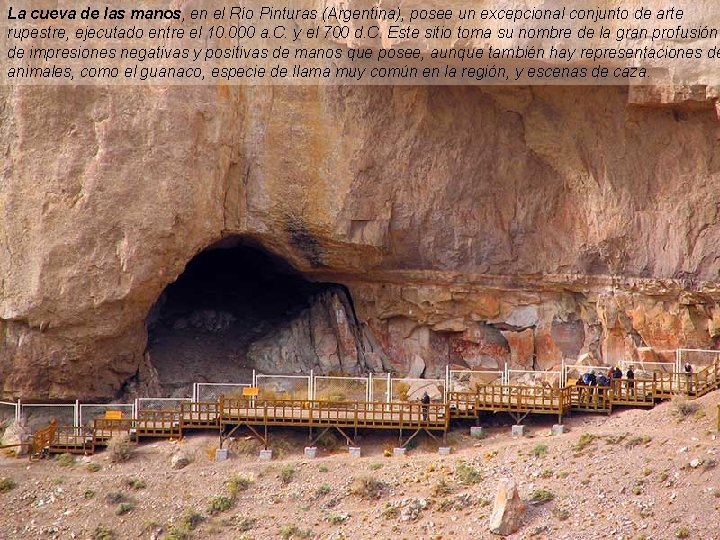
[470, 225]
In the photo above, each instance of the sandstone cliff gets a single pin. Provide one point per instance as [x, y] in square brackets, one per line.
[470, 226]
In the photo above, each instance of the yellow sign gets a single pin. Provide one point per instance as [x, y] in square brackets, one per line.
[113, 415]
[251, 391]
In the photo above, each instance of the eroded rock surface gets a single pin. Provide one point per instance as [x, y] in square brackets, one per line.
[325, 337]
[470, 226]
[17, 437]
[508, 510]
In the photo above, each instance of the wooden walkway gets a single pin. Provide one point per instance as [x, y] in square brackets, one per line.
[519, 401]
[227, 416]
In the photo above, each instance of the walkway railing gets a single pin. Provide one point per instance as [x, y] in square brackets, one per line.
[72, 440]
[162, 417]
[511, 399]
[204, 414]
[591, 398]
[360, 414]
[690, 384]
[634, 393]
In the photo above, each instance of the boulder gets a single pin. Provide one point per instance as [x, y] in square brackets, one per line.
[481, 346]
[417, 367]
[323, 337]
[17, 433]
[509, 509]
[416, 389]
[523, 317]
[179, 460]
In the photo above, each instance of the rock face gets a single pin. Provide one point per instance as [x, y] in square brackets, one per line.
[325, 337]
[470, 226]
[508, 510]
[19, 435]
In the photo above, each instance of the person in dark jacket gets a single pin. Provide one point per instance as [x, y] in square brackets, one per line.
[615, 380]
[603, 383]
[425, 400]
[590, 381]
[581, 390]
[688, 376]
[631, 380]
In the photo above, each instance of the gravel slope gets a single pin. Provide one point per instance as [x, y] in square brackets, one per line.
[637, 474]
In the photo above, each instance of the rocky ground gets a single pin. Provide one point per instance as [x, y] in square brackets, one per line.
[638, 474]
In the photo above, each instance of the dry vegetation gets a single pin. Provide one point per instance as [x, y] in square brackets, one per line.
[640, 474]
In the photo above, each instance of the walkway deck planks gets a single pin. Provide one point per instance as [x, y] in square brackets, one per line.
[227, 414]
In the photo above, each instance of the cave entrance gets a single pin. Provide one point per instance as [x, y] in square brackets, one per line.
[229, 296]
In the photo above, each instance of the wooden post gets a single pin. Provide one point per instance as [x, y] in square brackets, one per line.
[356, 420]
[265, 420]
[221, 408]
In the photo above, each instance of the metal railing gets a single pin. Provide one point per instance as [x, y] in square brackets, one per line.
[87, 412]
[379, 385]
[572, 372]
[40, 414]
[9, 411]
[697, 358]
[284, 386]
[413, 389]
[213, 391]
[327, 388]
[159, 404]
[466, 380]
[646, 369]
[518, 377]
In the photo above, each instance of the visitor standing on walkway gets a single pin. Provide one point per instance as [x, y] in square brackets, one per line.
[688, 376]
[425, 400]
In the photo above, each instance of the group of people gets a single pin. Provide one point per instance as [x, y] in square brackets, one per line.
[597, 384]
[605, 379]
